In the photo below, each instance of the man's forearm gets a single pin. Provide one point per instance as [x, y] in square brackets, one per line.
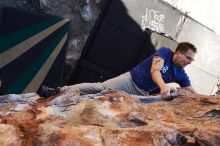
[157, 64]
[157, 78]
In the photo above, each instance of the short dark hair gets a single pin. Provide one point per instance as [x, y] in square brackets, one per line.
[185, 46]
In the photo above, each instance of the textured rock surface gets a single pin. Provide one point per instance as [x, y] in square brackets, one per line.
[109, 118]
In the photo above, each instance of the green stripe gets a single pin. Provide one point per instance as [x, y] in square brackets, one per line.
[13, 39]
[19, 85]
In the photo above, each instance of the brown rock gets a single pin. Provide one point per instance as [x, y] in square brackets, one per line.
[110, 119]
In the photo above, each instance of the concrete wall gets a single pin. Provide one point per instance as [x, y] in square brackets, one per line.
[205, 71]
[205, 12]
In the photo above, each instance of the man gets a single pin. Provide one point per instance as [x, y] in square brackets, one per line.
[151, 75]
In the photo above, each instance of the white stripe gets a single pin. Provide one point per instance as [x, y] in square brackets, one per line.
[12, 53]
[42, 73]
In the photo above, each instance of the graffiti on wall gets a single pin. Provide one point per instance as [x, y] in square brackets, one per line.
[153, 20]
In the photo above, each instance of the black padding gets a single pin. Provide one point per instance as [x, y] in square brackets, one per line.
[113, 49]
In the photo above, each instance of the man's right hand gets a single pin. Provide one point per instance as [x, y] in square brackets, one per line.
[165, 92]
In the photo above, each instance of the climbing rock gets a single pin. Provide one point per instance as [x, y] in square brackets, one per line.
[110, 118]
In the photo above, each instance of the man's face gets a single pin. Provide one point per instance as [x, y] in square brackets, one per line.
[182, 59]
